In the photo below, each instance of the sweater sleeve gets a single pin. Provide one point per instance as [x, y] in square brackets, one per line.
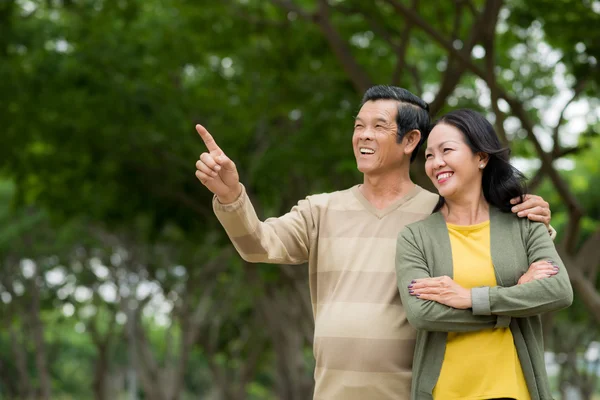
[282, 240]
[531, 298]
[426, 314]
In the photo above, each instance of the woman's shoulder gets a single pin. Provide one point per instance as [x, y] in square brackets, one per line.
[510, 219]
[508, 223]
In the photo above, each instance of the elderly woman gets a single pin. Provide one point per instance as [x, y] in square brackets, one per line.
[473, 278]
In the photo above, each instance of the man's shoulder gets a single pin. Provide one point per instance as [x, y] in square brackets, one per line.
[324, 199]
[423, 202]
[427, 196]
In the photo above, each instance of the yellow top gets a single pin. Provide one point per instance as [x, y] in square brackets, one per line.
[482, 364]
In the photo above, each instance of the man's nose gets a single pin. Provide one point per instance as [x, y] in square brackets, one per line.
[366, 134]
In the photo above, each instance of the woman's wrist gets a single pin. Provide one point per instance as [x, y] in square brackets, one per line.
[466, 299]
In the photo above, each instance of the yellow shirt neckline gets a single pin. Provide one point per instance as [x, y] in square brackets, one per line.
[475, 227]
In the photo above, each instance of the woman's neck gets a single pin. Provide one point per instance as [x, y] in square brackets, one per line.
[466, 211]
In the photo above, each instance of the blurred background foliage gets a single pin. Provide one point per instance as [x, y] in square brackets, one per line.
[117, 281]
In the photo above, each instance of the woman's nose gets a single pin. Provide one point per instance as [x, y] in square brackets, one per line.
[439, 162]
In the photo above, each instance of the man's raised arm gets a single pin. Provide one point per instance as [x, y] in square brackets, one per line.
[283, 240]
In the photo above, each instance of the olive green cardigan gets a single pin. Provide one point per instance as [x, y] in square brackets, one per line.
[423, 250]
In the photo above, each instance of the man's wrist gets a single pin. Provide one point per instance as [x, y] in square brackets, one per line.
[551, 232]
[231, 198]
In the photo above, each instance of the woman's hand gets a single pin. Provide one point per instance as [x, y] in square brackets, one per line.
[539, 270]
[442, 290]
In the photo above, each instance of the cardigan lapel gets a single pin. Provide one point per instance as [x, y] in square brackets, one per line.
[441, 251]
[502, 232]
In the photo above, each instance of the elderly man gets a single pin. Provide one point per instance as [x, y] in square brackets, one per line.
[363, 344]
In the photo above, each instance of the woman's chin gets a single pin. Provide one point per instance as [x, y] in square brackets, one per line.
[445, 192]
[437, 186]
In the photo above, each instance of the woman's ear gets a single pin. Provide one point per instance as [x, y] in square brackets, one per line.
[484, 158]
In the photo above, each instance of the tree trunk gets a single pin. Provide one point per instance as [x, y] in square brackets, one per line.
[101, 372]
[10, 387]
[188, 337]
[145, 364]
[132, 378]
[284, 322]
[26, 391]
[37, 328]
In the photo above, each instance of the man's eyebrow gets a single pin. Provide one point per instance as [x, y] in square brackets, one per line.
[379, 119]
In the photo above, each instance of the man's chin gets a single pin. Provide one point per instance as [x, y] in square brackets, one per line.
[364, 169]
[365, 166]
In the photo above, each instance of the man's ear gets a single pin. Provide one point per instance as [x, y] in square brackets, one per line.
[410, 140]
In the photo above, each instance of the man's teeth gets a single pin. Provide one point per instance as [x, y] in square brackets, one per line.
[367, 151]
[445, 175]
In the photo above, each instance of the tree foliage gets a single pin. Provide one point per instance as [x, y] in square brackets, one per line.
[97, 156]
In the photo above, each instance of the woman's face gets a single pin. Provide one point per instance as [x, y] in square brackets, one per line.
[450, 164]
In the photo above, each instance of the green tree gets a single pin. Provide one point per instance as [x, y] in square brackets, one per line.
[100, 103]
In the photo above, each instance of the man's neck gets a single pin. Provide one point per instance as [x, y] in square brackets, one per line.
[382, 190]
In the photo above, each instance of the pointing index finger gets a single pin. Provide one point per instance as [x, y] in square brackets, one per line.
[207, 138]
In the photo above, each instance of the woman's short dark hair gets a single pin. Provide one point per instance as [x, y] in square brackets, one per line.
[413, 112]
[501, 181]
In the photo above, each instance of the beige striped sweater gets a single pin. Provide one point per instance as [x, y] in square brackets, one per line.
[363, 344]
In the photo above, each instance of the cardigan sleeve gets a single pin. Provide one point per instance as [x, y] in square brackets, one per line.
[426, 314]
[531, 298]
[282, 240]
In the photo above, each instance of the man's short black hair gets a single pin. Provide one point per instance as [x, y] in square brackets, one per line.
[413, 112]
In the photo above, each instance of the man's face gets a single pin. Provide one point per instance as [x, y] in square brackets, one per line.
[374, 139]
